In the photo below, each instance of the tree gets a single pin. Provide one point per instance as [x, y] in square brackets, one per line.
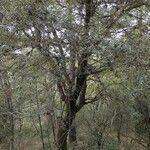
[76, 39]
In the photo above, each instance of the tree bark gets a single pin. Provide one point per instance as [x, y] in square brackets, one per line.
[148, 142]
[62, 138]
[64, 126]
[70, 97]
[39, 119]
[72, 136]
[10, 109]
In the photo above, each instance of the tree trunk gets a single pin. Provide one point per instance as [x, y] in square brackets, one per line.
[12, 133]
[64, 126]
[10, 109]
[62, 135]
[72, 136]
[39, 117]
[148, 142]
[76, 92]
[99, 141]
[41, 132]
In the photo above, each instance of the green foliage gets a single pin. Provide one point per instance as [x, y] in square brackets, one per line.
[47, 48]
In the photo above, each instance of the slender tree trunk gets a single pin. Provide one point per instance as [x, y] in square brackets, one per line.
[118, 136]
[9, 102]
[62, 138]
[12, 125]
[12, 135]
[99, 140]
[62, 134]
[119, 126]
[39, 119]
[148, 142]
[41, 132]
